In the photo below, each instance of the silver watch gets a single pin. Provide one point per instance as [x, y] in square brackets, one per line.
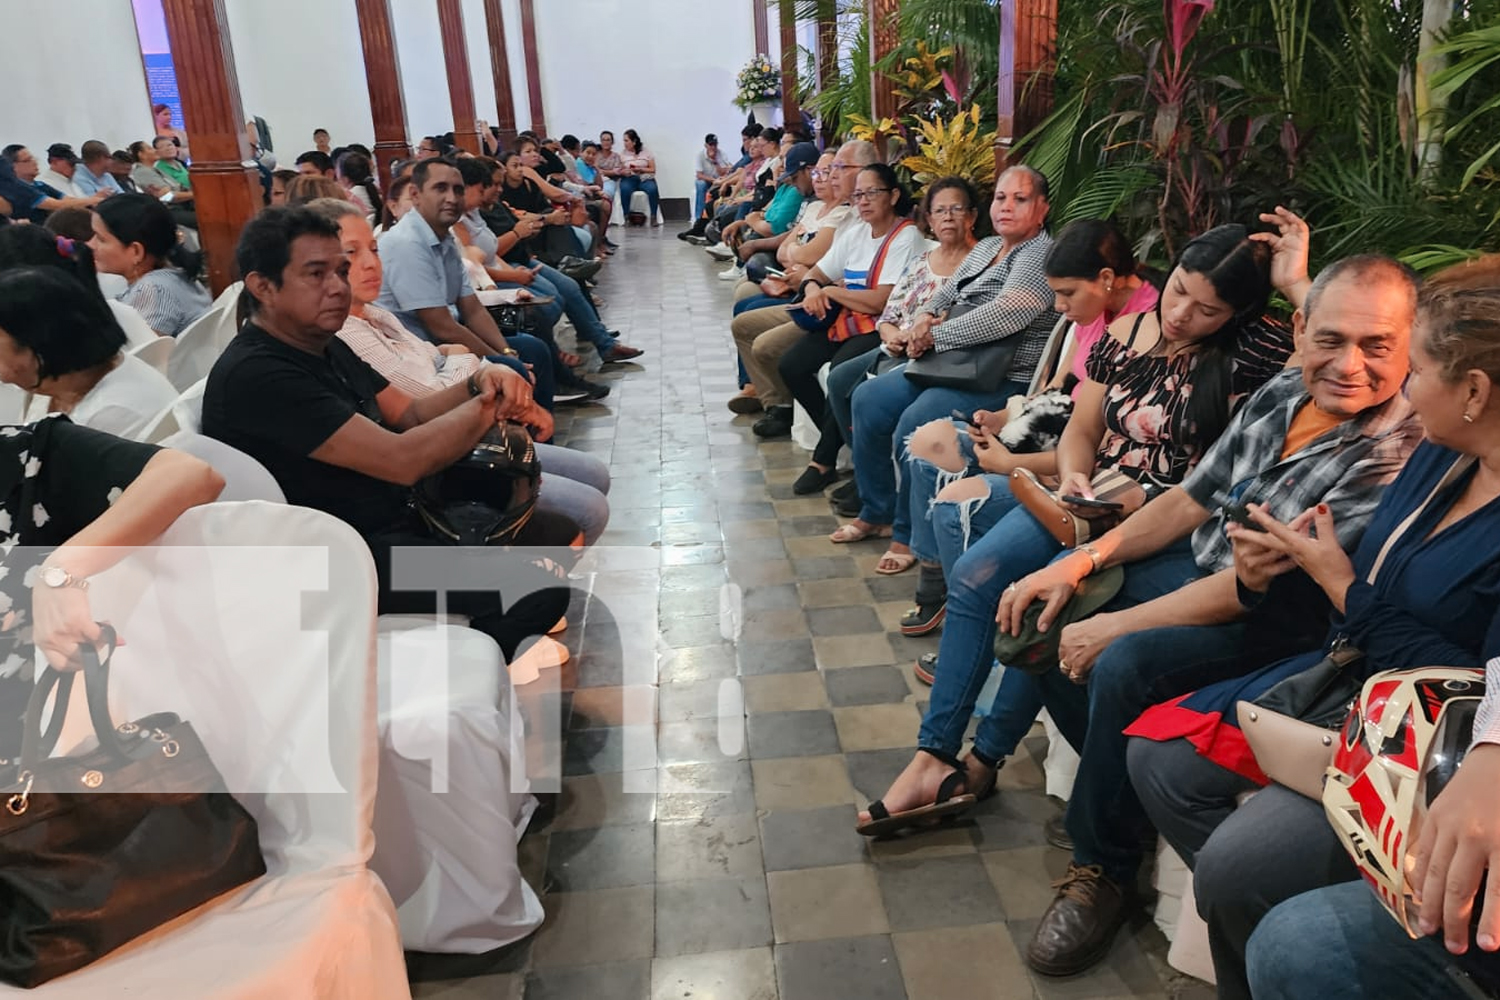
[57, 577]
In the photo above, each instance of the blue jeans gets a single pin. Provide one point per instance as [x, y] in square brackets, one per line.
[630, 185]
[758, 302]
[927, 480]
[886, 410]
[1340, 942]
[1004, 543]
[842, 381]
[700, 189]
[571, 300]
[531, 351]
[575, 485]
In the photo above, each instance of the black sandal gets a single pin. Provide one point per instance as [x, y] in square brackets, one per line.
[924, 618]
[950, 804]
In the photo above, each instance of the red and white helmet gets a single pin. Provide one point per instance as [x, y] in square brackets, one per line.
[1401, 745]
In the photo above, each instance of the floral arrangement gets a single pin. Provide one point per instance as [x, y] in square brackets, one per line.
[758, 83]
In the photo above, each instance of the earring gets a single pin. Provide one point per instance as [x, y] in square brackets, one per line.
[1468, 417]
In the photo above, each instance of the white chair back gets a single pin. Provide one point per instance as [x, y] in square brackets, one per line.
[200, 345]
[256, 623]
[157, 352]
[13, 400]
[1055, 350]
[184, 414]
[229, 298]
[138, 332]
[244, 477]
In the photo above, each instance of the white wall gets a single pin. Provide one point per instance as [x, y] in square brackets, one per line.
[419, 49]
[301, 67]
[477, 38]
[85, 82]
[665, 68]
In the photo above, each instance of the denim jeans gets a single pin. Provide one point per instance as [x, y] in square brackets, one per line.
[1339, 941]
[886, 410]
[843, 379]
[757, 302]
[799, 368]
[534, 352]
[571, 300]
[700, 192]
[575, 485]
[630, 185]
[1004, 543]
[927, 480]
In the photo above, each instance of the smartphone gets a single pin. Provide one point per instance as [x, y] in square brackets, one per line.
[1240, 514]
[772, 272]
[1091, 502]
[962, 417]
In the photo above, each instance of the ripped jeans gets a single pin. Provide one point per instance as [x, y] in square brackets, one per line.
[948, 456]
[985, 545]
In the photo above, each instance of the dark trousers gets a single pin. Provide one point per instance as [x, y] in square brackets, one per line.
[799, 369]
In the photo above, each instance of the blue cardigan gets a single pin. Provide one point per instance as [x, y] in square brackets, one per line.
[1436, 602]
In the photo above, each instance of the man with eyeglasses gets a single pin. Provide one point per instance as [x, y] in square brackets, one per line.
[763, 232]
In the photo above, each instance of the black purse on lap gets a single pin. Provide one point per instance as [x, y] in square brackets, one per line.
[98, 849]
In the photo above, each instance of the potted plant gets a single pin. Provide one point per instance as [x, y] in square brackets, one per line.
[758, 89]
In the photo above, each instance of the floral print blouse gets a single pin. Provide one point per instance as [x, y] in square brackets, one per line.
[916, 286]
[1146, 399]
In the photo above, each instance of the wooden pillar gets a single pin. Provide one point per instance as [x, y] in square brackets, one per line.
[383, 76]
[1028, 51]
[791, 112]
[533, 69]
[762, 32]
[505, 102]
[885, 35]
[828, 54]
[460, 83]
[226, 193]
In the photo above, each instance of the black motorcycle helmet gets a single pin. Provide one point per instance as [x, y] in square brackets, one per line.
[488, 495]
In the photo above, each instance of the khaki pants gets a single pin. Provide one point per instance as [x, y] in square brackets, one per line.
[762, 336]
[745, 290]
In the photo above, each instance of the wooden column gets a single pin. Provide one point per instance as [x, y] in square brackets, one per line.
[828, 54]
[1028, 59]
[383, 76]
[460, 83]
[885, 35]
[505, 102]
[762, 31]
[533, 69]
[226, 193]
[791, 112]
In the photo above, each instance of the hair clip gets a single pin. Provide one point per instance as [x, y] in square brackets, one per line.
[65, 247]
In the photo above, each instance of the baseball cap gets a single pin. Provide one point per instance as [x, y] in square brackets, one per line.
[799, 157]
[710, 140]
[61, 151]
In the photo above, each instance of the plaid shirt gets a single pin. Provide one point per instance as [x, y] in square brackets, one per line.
[1012, 298]
[1346, 468]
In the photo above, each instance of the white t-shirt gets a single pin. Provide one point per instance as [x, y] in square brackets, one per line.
[124, 403]
[854, 250]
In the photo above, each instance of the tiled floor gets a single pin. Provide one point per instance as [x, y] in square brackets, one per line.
[742, 877]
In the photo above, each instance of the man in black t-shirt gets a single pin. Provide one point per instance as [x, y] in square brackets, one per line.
[339, 438]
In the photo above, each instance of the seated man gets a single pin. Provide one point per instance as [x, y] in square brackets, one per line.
[316, 164]
[62, 168]
[1331, 436]
[93, 175]
[763, 232]
[425, 285]
[338, 437]
[28, 197]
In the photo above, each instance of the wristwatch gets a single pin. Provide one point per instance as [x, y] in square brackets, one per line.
[474, 388]
[56, 577]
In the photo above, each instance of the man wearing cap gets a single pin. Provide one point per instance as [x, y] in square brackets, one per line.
[94, 175]
[711, 169]
[28, 197]
[62, 165]
[763, 232]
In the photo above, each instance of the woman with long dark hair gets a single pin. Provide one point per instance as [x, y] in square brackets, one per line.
[638, 173]
[135, 237]
[352, 170]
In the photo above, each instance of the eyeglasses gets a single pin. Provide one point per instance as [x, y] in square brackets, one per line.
[949, 210]
[836, 167]
[818, 175]
[867, 195]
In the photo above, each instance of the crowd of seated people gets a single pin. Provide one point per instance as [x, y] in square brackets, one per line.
[1270, 498]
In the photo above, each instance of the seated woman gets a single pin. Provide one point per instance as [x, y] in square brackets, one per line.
[64, 243]
[85, 499]
[999, 291]
[280, 178]
[352, 171]
[638, 173]
[1161, 388]
[950, 207]
[398, 201]
[135, 237]
[1093, 274]
[305, 189]
[576, 483]
[1423, 588]
[60, 342]
[530, 196]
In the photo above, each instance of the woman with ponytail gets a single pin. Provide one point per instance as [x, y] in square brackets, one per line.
[135, 237]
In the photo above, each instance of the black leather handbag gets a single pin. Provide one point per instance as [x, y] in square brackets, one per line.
[983, 368]
[98, 849]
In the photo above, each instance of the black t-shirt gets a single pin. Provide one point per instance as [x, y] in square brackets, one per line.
[526, 198]
[551, 164]
[279, 404]
[502, 220]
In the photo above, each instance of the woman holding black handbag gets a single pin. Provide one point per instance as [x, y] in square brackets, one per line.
[1422, 589]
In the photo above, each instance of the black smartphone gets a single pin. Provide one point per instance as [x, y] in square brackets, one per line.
[1240, 514]
[1091, 502]
[962, 417]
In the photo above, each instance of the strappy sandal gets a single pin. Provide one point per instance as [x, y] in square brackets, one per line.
[950, 804]
[924, 619]
[895, 562]
[851, 532]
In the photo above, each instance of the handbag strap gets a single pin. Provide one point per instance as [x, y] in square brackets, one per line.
[1458, 468]
[878, 261]
[36, 745]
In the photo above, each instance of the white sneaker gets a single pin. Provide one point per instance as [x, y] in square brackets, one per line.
[719, 251]
[735, 273]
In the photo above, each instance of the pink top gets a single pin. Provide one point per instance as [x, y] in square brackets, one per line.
[1085, 337]
[407, 362]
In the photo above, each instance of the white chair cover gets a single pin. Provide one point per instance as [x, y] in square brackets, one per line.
[12, 403]
[138, 332]
[446, 818]
[244, 477]
[269, 654]
[157, 353]
[185, 414]
[200, 345]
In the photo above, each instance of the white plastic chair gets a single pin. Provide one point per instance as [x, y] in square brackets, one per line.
[138, 332]
[200, 345]
[244, 477]
[269, 653]
[184, 414]
[13, 400]
[157, 353]
[229, 298]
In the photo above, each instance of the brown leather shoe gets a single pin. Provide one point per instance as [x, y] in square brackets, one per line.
[1080, 925]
